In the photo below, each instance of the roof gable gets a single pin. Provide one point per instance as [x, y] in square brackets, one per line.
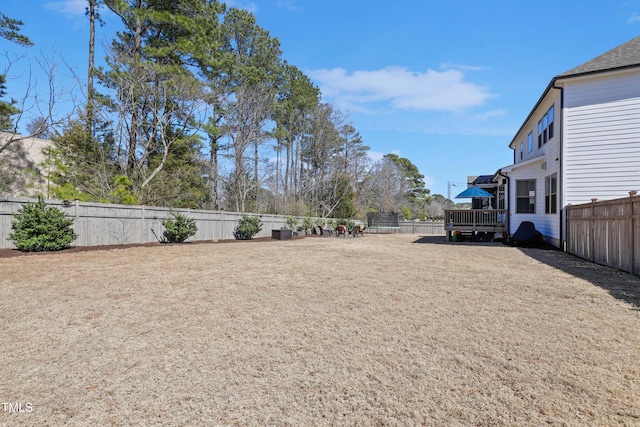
[623, 56]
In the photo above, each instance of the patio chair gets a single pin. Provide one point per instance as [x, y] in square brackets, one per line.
[324, 232]
[358, 230]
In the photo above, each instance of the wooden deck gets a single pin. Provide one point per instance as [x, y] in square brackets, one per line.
[473, 221]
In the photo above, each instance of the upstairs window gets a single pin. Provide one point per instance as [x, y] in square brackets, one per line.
[550, 115]
[521, 150]
[530, 141]
[545, 127]
[540, 134]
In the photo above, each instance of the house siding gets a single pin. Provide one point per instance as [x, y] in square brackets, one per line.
[601, 89]
[26, 156]
[547, 224]
[602, 138]
[552, 98]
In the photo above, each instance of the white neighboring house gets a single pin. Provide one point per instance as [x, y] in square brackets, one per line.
[21, 166]
[581, 141]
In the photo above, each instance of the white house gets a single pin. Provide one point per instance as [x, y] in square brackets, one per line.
[21, 165]
[580, 141]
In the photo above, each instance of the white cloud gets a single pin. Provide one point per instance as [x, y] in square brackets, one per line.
[448, 66]
[401, 88]
[487, 115]
[634, 18]
[68, 7]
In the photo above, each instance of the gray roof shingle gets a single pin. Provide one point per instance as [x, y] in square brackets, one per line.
[483, 179]
[623, 56]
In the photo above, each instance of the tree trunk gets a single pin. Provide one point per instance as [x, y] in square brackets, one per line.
[256, 182]
[92, 38]
[287, 172]
[213, 173]
[133, 134]
[277, 183]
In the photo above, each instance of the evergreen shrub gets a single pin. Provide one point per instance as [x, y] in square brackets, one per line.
[307, 225]
[179, 228]
[247, 227]
[292, 222]
[38, 227]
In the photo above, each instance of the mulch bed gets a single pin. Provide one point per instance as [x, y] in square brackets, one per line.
[9, 253]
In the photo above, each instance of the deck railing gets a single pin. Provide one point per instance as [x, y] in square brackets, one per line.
[475, 219]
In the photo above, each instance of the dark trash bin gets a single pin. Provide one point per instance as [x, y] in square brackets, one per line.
[527, 235]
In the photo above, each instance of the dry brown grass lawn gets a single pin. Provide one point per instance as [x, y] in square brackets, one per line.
[378, 330]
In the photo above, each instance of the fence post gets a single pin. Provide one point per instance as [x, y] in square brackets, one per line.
[633, 232]
[592, 237]
[76, 221]
[567, 227]
[221, 225]
[143, 234]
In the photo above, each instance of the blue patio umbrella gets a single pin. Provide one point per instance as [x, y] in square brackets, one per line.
[473, 191]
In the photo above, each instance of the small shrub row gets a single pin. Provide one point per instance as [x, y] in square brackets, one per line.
[38, 227]
[303, 227]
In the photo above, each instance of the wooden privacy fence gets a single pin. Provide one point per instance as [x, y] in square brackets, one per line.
[108, 224]
[607, 232]
[422, 227]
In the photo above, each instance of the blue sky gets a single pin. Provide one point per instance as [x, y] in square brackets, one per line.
[444, 84]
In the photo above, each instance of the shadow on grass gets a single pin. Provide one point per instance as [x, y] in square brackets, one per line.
[619, 284]
[442, 240]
